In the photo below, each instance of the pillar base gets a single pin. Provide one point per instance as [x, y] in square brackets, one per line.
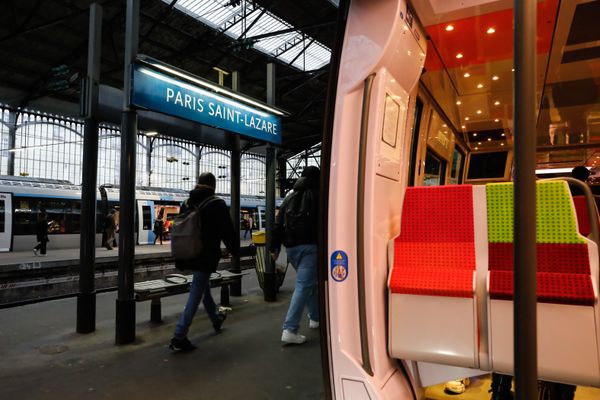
[86, 312]
[125, 322]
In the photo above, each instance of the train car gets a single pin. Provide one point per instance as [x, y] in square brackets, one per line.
[418, 160]
[21, 199]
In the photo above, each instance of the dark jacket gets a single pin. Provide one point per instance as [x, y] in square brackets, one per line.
[216, 227]
[310, 231]
[41, 230]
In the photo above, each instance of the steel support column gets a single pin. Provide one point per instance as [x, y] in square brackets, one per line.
[12, 141]
[270, 279]
[125, 305]
[525, 329]
[236, 287]
[86, 298]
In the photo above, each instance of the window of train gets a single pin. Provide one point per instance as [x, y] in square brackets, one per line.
[64, 215]
[2, 217]
[458, 162]
[435, 169]
[147, 218]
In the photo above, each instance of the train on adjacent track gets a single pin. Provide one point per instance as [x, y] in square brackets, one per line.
[21, 199]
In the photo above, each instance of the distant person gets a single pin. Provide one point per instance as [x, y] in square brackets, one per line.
[159, 229]
[41, 231]
[582, 174]
[296, 226]
[110, 226]
[216, 226]
[248, 226]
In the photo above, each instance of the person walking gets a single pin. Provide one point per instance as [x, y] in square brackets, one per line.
[248, 222]
[41, 231]
[296, 226]
[216, 226]
[159, 228]
[109, 229]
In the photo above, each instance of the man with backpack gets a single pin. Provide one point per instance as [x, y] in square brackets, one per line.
[196, 238]
[296, 226]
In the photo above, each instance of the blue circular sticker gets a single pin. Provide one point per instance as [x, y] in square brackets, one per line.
[339, 266]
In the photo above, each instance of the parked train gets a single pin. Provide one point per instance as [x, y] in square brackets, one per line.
[22, 198]
[417, 274]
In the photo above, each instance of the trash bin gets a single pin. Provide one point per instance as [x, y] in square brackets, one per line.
[259, 240]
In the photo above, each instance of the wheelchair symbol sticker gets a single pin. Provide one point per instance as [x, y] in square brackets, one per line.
[339, 266]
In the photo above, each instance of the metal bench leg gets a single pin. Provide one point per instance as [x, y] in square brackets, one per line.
[155, 311]
[225, 296]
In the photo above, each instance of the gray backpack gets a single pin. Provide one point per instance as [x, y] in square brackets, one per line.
[186, 232]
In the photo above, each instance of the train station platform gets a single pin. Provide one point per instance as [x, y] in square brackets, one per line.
[43, 357]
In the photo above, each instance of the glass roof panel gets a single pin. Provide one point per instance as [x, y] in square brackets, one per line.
[227, 16]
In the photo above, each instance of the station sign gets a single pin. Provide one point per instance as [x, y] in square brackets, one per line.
[160, 92]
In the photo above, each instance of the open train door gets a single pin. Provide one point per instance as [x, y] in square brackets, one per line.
[145, 221]
[5, 221]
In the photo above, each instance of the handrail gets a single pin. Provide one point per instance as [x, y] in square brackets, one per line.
[591, 206]
[360, 227]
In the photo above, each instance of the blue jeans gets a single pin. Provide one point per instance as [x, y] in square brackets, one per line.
[304, 260]
[200, 285]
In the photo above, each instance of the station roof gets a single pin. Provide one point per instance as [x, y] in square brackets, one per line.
[43, 48]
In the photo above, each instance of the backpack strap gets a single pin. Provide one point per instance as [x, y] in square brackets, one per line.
[207, 201]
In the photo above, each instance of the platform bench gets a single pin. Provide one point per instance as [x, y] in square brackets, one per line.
[174, 284]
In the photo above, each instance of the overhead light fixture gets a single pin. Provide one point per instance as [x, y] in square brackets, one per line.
[495, 78]
[479, 143]
[496, 103]
[491, 30]
[459, 55]
[475, 134]
[478, 111]
[449, 28]
[479, 86]
[489, 139]
[504, 134]
[466, 75]
[464, 127]
[466, 118]
[513, 70]
[476, 148]
[458, 103]
[212, 86]
[496, 120]
[501, 144]
[554, 170]
[152, 133]
[444, 125]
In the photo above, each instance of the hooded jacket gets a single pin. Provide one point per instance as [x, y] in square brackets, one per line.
[309, 234]
[216, 227]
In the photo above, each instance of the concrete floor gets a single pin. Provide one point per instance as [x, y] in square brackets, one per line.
[43, 358]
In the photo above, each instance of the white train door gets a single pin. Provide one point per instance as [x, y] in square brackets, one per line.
[145, 221]
[5, 221]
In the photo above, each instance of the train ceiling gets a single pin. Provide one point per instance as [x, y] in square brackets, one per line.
[44, 41]
[469, 70]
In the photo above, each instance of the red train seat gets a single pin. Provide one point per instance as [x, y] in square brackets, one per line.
[433, 314]
[567, 265]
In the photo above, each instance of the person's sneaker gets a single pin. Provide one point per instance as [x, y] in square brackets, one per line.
[219, 324]
[35, 252]
[290, 337]
[181, 344]
[313, 324]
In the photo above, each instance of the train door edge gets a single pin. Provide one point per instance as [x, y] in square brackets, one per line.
[145, 209]
[5, 221]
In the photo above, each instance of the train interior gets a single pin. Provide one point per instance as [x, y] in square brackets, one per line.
[431, 109]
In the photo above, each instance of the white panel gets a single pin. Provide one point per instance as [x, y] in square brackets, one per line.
[433, 328]
[481, 261]
[355, 390]
[6, 217]
[567, 347]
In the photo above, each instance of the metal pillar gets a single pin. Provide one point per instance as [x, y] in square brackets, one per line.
[235, 81]
[12, 140]
[282, 176]
[270, 279]
[236, 287]
[198, 158]
[525, 329]
[150, 144]
[86, 298]
[125, 305]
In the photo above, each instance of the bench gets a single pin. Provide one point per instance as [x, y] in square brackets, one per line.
[174, 284]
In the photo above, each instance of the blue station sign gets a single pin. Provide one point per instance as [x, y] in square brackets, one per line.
[162, 93]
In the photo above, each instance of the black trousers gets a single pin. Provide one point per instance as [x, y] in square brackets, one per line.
[41, 246]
